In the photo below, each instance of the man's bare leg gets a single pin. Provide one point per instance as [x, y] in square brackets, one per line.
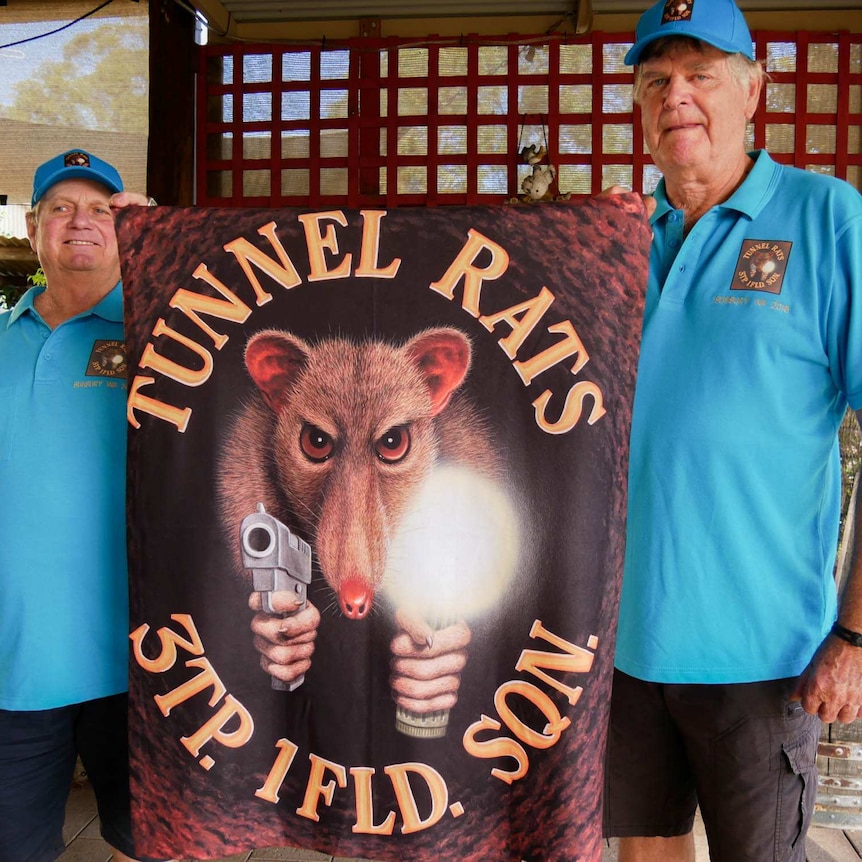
[677, 849]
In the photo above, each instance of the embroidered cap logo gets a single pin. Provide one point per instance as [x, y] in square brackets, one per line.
[76, 160]
[677, 10]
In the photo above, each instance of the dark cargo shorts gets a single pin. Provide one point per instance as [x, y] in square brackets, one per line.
[745, 753]
[38, 752]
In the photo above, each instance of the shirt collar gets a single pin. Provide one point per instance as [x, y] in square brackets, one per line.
[109, 307]
[24, 304]
[749, 199]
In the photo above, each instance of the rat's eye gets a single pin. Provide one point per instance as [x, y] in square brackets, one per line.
[393, 445]
[316, 445]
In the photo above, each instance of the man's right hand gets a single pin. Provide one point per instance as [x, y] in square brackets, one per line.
[649, 200]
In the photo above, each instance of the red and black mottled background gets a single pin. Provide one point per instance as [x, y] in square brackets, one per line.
[593, 257]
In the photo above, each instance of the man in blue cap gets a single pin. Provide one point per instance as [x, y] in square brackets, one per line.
[731, 644]
[63, 587]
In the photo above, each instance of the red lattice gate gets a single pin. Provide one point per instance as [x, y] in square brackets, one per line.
[389, 122]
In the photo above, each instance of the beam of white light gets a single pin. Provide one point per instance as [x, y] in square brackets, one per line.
[455, 552]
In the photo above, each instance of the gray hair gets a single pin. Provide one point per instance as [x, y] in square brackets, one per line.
[743, 71]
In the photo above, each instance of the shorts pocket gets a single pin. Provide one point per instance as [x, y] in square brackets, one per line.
[797, 790]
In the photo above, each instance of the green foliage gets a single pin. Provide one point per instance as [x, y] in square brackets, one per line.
[850, 440]
[9, 295]
[100, 82]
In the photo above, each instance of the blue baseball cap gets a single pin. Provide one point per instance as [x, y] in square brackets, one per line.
[717, 22]
[74, 164]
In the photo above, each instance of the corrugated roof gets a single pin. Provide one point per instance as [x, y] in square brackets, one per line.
[13, 220]
[17, 260]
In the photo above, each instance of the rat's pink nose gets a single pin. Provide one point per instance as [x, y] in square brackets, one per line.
[355, 600]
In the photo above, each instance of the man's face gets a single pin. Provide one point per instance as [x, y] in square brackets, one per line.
[694, 111]
[73, 230]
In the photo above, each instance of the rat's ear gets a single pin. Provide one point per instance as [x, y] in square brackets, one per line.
[274, 360]
[443, 358]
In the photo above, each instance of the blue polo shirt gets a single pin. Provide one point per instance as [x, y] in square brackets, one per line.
[751, 352]
[63, 582]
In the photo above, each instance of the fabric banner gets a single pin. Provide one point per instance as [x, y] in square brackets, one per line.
[376, 499]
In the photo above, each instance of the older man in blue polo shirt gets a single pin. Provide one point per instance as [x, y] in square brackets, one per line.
[731, 644]
[63, 585]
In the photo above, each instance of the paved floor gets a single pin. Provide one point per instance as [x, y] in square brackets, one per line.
[83, 843]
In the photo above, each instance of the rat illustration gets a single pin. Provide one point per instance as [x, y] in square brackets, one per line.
[340, 435]
[762, 265]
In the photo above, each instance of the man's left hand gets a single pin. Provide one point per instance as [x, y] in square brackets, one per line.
[831, 685]
[128, 199]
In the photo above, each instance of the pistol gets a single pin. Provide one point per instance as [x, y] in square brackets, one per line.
[278, 561]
